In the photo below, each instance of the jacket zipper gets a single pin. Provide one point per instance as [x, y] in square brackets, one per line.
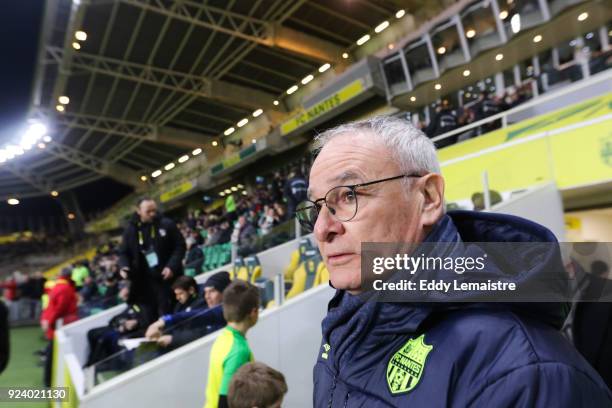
[331, 395]
[348, 394]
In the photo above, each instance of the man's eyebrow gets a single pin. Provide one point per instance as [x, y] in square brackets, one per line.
[344, 177]
[339, 180]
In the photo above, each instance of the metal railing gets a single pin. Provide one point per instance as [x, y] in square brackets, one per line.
[601, 78]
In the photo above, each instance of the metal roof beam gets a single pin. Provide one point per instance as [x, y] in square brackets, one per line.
[131, 129]
[163, 78]
[29, 177]
[115, 171]
[181, 137]
[244, 27]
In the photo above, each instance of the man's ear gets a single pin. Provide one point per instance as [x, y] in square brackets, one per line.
[433, 199]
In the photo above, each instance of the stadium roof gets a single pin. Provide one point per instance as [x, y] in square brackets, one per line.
[154, 79]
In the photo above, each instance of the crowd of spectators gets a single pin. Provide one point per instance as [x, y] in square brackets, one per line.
[244, 219]
[447, 118]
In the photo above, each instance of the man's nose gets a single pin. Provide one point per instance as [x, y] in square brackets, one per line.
[327, 225]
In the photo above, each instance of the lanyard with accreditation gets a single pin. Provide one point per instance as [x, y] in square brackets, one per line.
[149, 253]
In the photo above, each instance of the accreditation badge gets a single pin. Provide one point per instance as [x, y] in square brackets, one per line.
[152, 259]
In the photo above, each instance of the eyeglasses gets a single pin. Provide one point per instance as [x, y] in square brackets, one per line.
[341, 201]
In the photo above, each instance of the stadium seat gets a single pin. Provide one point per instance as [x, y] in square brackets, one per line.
[297, 257]
[238, 263]
[305, 275]
[266, 292]
[250, 271]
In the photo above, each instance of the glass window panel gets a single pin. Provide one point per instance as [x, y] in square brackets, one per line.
[480, 28]
[446, 45]
[419, 62]
[528, 12]
[394, 73]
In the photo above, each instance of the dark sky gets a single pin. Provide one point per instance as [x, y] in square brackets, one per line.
[20, 23]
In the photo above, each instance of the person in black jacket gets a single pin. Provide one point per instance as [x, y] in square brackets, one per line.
[201, 319]
[186, 292]
[150, 256]
[195, 257]
[444, 121]
[592, 329]
[104, 341]
[295, 191]
[4, 337]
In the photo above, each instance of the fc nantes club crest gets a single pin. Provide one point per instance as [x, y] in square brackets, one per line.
[406, 365]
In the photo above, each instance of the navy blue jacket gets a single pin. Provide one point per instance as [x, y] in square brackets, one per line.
[189, 325]
[456, 355]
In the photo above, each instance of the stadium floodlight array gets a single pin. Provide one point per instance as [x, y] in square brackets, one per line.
[35, 133]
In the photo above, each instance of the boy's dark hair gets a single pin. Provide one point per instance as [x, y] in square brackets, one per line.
[239, 299]
[185, 282]
[256, 385]
[143, 199]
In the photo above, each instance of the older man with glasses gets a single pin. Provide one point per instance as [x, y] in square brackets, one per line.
[378, 180]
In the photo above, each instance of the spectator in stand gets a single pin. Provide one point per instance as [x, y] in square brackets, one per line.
[231, 350]
[38, 285]
[183, 327]
[256, 385]
[89, 292]
[151, 256]
[104, 341]
[485, 107]
[443, 121]
[225, 232]
[10, 289]
[245, 236]
[268, 220]
[196, 236]
[230, 207]
[478, 199]
[195, 257]
[111, 292]
[191, 221]
[62, 305]
[280, 212]
[295, 190]
[79, 272]
[186, 292]
[214, 233]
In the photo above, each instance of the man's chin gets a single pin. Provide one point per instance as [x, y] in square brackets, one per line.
[344, 281]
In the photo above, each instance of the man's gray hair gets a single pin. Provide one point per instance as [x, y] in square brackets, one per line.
[411, 149]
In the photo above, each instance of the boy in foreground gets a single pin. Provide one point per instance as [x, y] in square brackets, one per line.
[256, 385]
[230, 350]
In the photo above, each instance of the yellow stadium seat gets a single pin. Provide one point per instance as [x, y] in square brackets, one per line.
[305, 275]
[238, 263]
[297, 258]
[250, 271]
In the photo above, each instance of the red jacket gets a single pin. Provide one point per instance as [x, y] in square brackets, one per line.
[62, 305]
[10, 289]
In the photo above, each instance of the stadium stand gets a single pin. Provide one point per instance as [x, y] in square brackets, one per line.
[220, 144]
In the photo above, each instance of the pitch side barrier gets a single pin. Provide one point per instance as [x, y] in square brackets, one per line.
[286, 338]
